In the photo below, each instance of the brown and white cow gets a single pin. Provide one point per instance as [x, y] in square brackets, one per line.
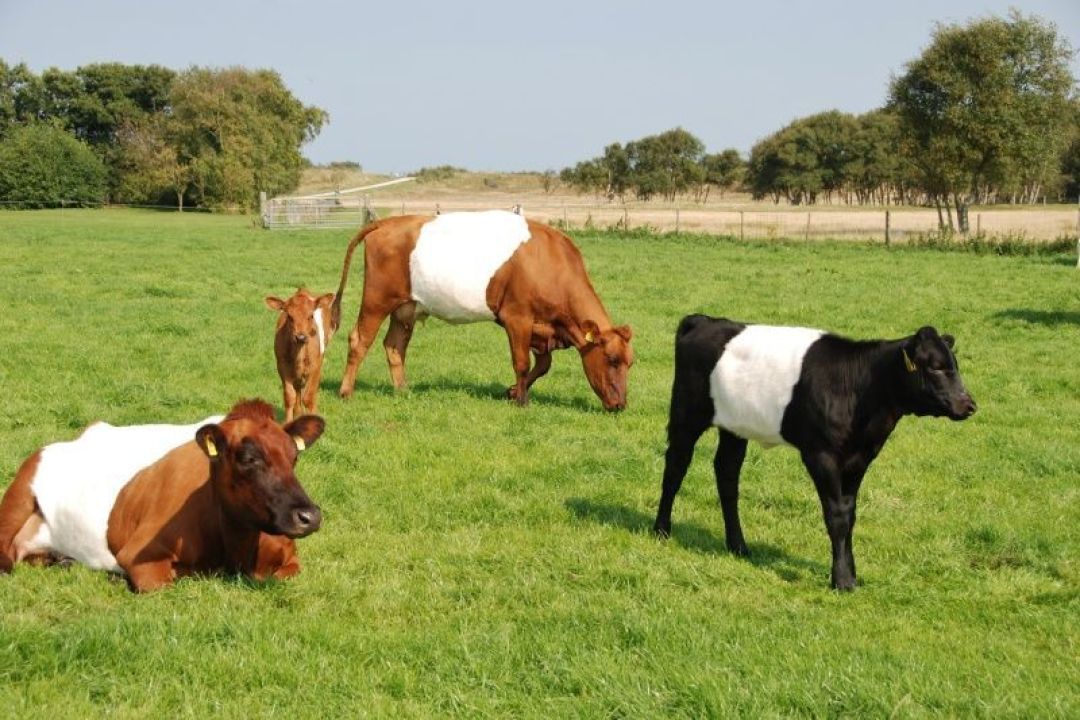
[303, 331]
[157, 502]
[493, 265]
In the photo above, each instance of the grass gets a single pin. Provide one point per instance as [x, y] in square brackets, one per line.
[478, 559]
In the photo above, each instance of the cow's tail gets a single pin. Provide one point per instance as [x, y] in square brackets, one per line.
[335, 308]
[688, 323]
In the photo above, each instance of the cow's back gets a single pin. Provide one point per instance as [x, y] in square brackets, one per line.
[754, 378]
[77, 483]
[455, 258]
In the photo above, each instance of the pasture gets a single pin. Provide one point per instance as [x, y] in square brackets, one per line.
[480, 559]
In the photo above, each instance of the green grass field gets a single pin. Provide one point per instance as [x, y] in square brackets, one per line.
[482, 560]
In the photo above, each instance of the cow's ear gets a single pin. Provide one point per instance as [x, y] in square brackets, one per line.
[591, 332]
[211, 440]
[624, 332]
[275, 303]
[305, 430]
[950, 341]
[325, 301]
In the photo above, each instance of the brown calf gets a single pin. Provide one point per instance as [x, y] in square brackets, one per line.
[157, 502]
[300, 339]
[468, 267]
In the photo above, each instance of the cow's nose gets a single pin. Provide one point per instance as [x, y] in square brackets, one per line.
[307, 519]
[301, 338]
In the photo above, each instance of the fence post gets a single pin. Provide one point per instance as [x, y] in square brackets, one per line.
[676, 220]
[806, 236]
[741, 226]
[887, 219]
[263, 213]
[978, 224]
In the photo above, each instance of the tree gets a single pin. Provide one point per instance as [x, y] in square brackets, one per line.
[42, 165]
[723, 170]
[665, 164]
[149, 167]
[984, 107]
[240, 132]
[807, 158]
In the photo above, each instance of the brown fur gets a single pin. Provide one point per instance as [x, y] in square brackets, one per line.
[296, 348]
[189, 513]
[541, 296]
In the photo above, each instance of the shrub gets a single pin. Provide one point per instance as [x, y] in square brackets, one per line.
[42, 166]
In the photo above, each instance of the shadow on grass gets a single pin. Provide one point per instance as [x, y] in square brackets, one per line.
[696, 538]
[444, 385]
[1041, 317]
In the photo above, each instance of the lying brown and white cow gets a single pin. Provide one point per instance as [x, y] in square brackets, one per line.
[493, 265]
[157, 502]
[303, 331]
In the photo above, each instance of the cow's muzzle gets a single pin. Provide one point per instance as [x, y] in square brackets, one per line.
[963, 408]
[305, 520]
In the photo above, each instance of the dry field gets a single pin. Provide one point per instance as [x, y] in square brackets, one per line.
[733, 214]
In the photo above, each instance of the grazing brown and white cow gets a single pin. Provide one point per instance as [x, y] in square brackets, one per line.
[157, 502]
[493, 265]
[300, 339]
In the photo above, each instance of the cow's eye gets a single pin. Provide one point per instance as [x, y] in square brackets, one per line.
[248, 456]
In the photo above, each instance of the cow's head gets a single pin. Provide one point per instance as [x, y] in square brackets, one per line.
[252, 459]
[933, 383]
[607, 357]
[298, 315]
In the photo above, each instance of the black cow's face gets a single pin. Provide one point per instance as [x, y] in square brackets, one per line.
[934, 376]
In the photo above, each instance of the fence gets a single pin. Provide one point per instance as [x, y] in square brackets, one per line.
[885, 225]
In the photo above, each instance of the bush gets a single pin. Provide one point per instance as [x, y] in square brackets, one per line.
[44, 166]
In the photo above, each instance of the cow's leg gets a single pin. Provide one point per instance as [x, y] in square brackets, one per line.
[541, 365]
[730, 453]
[147, 565]
[310, 394]
[519, 332]
[16, 509]
[680, 451]
[837, 509]
[360, 339]
[289, 400]
[854, 471]
[396, 342]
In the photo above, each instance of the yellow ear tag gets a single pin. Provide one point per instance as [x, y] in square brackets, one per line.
[211, 448]
[589, 337]
[300, 444]
[908, 362]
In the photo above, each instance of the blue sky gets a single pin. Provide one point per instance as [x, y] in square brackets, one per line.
[519, 86]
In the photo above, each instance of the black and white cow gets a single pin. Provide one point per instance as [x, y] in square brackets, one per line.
[835, 400]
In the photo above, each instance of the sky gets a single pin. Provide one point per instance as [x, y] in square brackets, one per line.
[508, 86]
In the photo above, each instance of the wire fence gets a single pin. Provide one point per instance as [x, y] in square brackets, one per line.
[897, 225]
[880, 224]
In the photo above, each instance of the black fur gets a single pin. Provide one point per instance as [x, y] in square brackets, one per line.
[849, 397]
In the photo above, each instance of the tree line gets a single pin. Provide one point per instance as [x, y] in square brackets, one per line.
[989, 113]
[147, 134]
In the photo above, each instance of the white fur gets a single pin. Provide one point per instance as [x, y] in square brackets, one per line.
[320, 324]
[77, 482]
[455, 258]
[754, 378]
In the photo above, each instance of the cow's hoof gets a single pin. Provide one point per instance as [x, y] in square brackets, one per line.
[662, 531]
[345, 394]
[738, 549]
[844, 585]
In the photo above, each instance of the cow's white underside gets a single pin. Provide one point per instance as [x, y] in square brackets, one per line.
[753, 381]
[77, 482]
[455, 258]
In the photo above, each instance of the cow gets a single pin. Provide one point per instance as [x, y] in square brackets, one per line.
[835, 400]
[492, 265]
[158, 502]
[300, 338]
